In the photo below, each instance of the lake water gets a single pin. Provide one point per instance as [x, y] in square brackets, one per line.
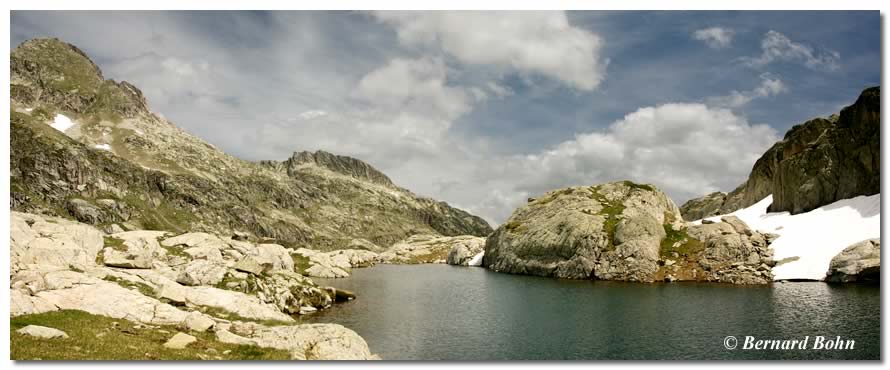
[441, 312]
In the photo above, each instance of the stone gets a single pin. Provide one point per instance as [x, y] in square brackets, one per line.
[424, 248]
[113, 258]
[42, 332]
[305, 310]
[860, 262]
[462, 252]
[610, 231]
[198, 322]
[85, 212]
[180, 341]
[314, 342]
[49, 241]
[173, 292]
[202, 272]
[248, 264]
[226, 336]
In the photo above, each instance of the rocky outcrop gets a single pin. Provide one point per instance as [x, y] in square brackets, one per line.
[628, 232]
[467, 252]
[610, 231]
[425, 248]
[221, 298]
[706, 206]
[149, 174]
[860, 262]
[336, 264]
[818, 162]
[42, 332]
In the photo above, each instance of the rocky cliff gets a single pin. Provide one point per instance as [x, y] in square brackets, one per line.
[88, 148]
[623, 231]
[818, 162]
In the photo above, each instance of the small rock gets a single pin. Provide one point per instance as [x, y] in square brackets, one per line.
[706, 221]
[42, 332]
[305, 310]
[198, 322]
[180, 341]
[248, 264]
[240, 235]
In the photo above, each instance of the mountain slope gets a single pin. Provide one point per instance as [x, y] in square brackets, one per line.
[818, 162]
[120, 163]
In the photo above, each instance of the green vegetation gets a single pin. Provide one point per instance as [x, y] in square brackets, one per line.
[611, 213]
[162, 216]
[688, 248]
[301, 263]
[515, 227]
[634, 185]
[143, 288]
[228, 315]
[115, 243]
[93, 337]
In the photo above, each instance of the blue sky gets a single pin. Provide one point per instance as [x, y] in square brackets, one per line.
[486, 109]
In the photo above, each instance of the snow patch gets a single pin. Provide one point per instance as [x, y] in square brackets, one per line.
[476, 260]
[815, 236]
[61, 123]
[103, 147]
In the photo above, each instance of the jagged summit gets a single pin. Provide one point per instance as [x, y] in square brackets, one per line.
[54, 72]
[340, 164]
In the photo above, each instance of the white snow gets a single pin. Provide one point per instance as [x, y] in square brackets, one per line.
[61, 123]
[816, 236]
[476, 260]
[103, 147]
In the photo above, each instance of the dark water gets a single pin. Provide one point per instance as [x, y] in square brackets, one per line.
[440, 312]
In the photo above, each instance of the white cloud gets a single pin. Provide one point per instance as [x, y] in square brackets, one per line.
[778, 47]
[311, 114]
[769, 86]
[526, 41]
[714, 37]
[684, 149]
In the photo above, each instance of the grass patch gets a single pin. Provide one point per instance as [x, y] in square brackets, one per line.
[144, 289]
[162, 217]
[301, 263]
[93, 337]
[115, 243]
[611, 212]
[689, 247]
[228, 315]
[515, 227]
[634, 185]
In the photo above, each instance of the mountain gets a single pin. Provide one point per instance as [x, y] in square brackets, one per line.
[89, 148]
[817, 163]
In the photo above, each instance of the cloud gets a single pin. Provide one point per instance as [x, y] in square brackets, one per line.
[714, 37]
[532, 42]
[778, 47]
[686, 149]
[769, 86]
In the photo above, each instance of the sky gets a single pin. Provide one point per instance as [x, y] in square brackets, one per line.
[486, 109]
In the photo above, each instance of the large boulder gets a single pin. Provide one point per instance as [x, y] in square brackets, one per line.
[860, 262]
[728, 251]
[465, 251]
[305, 342]
[609, 231]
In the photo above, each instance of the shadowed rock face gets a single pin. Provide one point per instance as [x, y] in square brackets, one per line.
[706, 206]
[157, 176]
[860, 262]
[818, 162]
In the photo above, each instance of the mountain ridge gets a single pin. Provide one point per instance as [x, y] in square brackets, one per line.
[121, 164]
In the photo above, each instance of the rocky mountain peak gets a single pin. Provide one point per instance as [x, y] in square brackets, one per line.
[53, 72]
[336, 163]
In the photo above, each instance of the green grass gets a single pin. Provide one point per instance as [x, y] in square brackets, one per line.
[301, 263]
[93, 337]
[162, 217]
[143, 289]
[115, 243]
[515, 227]
[634, 185]
[228, 315]
[689, 248]
[611, 212]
